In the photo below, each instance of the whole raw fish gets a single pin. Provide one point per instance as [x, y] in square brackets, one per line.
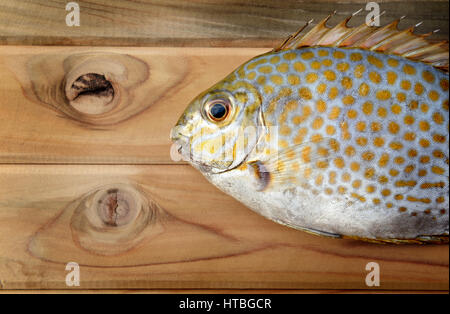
[341, 132]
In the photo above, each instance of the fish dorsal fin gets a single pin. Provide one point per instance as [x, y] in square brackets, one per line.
[387, 39]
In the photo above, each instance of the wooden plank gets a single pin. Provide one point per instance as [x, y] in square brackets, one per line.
[165, 227]
[38, 124]
[254, 23]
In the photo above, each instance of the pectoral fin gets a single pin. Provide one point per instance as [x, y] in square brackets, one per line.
[293, 165]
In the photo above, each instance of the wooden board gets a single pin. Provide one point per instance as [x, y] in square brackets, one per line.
[49, 216]
[38, 125]
[243, 23]
[103, 191]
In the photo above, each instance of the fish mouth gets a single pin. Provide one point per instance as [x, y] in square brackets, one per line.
[175, 134]
[183, 152]
[181, 147]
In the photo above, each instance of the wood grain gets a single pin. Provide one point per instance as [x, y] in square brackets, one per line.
[207, 23]
[85, 170]
[38, 124]
[213, 244]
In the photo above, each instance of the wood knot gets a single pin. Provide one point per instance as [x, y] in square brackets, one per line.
[112, 215]
[95, 88]
[91, 93]
[116, 207]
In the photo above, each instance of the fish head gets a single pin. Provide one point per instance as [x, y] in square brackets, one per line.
[221, 126]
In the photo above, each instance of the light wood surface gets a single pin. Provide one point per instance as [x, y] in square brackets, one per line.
[207, 23]
[39, 125]
[101, 190]
[197, 237]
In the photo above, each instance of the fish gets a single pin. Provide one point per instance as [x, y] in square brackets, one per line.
[342, 132]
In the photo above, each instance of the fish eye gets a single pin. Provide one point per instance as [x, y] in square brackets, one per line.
[218, 109]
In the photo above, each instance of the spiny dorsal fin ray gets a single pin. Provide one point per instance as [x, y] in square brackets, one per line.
[388, 39]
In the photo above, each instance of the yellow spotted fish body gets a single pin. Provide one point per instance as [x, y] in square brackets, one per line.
[347, 141]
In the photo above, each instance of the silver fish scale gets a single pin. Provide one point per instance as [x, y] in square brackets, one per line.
[362, 147]
[386, 117]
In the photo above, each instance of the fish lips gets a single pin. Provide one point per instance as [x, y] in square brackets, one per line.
[182, 147]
